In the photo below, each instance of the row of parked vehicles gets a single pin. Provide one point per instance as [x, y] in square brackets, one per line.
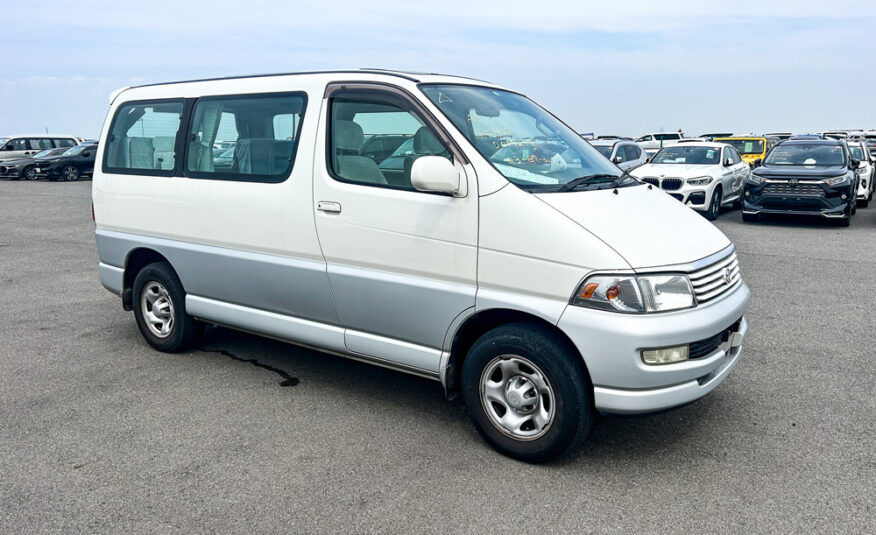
[30, 157]
[828, 174]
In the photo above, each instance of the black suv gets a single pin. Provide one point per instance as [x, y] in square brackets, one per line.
[71, 165]
[803, 176]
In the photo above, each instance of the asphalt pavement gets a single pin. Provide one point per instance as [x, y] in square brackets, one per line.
[101, 434]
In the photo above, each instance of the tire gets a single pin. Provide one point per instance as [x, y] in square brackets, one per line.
[29, 173]
[157, 288]
[714, 206]
[543, 374]
[844, 222]
[863, 203]
[70, 173]
[750, 218]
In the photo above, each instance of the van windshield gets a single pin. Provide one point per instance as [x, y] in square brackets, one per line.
[525, 143]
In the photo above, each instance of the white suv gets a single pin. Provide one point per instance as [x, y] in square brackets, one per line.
[866, 171]
[651, 143]
[702, 175]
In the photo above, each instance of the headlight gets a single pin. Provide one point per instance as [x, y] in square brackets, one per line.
[635, 294]
[837, 180]
[755, 179]
[699, 181]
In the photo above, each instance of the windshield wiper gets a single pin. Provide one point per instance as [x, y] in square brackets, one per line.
[589, 179]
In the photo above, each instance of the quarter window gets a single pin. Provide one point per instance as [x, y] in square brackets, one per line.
[250, 138]
[375, 140]
[142, 139]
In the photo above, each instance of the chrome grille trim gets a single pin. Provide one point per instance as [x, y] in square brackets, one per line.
[711, 281]
[671, 184]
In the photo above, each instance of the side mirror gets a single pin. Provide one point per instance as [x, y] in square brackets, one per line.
[618, 159]
[728, 162]
[435, 173]
[757, 162]
[854, 164]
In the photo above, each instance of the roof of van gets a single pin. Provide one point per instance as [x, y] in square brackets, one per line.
[52, 136]
[431, 77]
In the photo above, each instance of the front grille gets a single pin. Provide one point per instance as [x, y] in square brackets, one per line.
[672, 184]
[651, 180]
[2, 170]
[705, 347]
[802, 188]
[712, 281]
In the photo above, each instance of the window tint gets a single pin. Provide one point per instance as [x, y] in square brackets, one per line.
[64, 142]
[19, 143]
[40, 143]
[251, 138]
[142, 139]
[634, 152]
[644, 138]
[375, 140]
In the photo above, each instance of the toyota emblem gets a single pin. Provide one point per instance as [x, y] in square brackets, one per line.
[793, 182]
[727, 275]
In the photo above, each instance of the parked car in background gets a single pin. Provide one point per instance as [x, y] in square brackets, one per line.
[713, 135]
[704, 176]
[625, 154]
[609, 136]
[866, 171]
[751, 148]
[779, 135]
[25, 168]
[806, 136]
[651, 143]
[834, 134]
[71, 165]
[20, 146]
[804, 176]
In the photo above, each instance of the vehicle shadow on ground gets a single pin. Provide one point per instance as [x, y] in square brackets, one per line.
[614, 438]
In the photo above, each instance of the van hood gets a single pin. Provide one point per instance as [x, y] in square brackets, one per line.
[646, 226]
[679, 170]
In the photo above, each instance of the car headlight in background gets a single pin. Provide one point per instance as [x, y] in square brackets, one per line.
[635, 294]
[837, 180]
[699, 181]
[755, 179]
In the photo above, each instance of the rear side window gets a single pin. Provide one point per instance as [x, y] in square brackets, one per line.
[251, 138]
[40, 143]
[64, 142]
[143, 138]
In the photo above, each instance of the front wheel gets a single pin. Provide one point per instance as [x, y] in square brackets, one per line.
[70, 173]
[714, 206]
[528, 392]
[29, 173]
[160, 309]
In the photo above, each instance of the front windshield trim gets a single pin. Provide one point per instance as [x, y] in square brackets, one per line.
[494, 165]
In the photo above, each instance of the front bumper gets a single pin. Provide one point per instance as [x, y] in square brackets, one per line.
[828, 202]
[611, 345]
[9, 171]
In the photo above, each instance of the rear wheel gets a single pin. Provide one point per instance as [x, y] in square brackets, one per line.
[70, 173]
[527, 392]
[714, 206]
[160, 309]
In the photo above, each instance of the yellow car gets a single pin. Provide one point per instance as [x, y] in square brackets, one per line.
[750, 148]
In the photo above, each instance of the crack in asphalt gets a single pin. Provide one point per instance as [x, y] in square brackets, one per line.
[288, 380]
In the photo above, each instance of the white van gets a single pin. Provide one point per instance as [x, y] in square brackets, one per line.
[441, 226]
[25, 145]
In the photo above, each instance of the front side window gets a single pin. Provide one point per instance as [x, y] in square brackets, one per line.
[142, 138]
[525, 143]
[644, 138]
[686, 154]
[807, 154]
[375, 138]
[17, 144]
[251, 138]
[605, 150]
[856, 152]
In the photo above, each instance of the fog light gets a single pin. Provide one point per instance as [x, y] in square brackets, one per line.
[667, 355]
[844, 196]
[747, 193]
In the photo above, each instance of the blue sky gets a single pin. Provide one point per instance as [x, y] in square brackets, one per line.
[616, 67]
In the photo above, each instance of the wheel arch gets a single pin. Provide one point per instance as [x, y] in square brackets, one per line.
[482, 322]
[135, 261]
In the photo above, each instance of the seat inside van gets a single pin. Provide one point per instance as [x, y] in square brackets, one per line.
[149, 152]
[348, 140]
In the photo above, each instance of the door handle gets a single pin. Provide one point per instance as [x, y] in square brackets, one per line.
[329, 206]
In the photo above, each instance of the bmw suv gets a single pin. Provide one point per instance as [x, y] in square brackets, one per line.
[803, 176]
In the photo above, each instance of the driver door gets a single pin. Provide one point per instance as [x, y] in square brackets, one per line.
[402, 263]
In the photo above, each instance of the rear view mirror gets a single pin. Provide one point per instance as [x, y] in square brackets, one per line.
[618, 159]
[435, 173]
[728, 162]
